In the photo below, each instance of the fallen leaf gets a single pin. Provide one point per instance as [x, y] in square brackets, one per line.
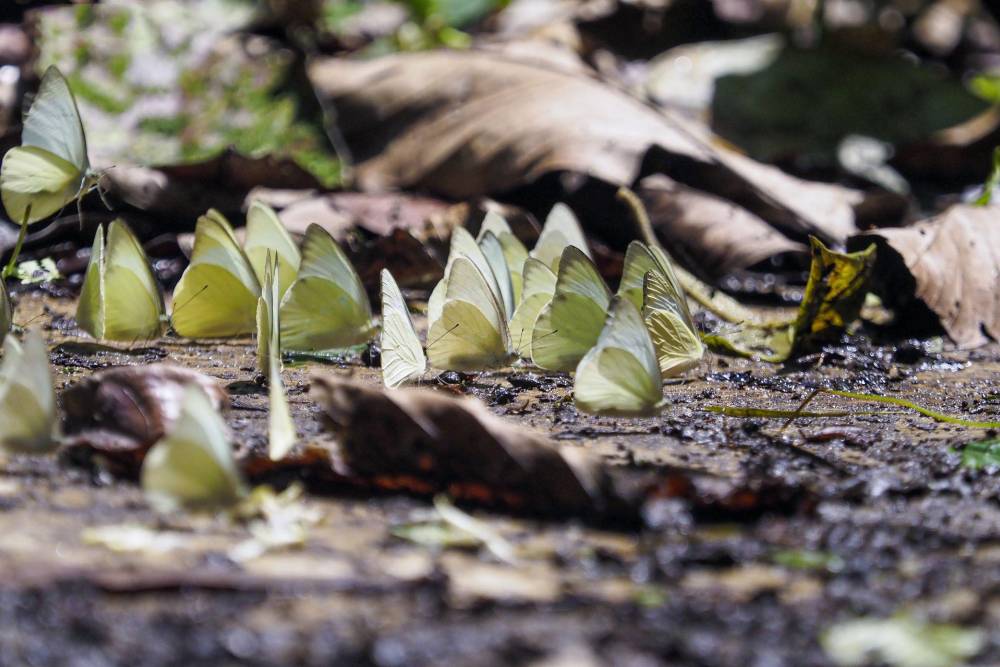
[120, 413]
[949, 264]
[708, 231]
[466, 124]
[426, 441]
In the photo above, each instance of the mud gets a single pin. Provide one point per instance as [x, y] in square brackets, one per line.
[869, 514]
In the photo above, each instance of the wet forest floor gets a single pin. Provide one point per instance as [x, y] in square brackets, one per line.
[828, 519]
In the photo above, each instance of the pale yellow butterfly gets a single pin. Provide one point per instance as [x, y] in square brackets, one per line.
[192, 466]
[217, 295]
[570, 323]
[28, 422]
[50, 168]
[471, 334]
[120, 299]
[539, 286]
[619, 376]
[326, 307]
[266, 234]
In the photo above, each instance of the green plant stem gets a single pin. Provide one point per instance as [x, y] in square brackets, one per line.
[11, 267]
[903, 403]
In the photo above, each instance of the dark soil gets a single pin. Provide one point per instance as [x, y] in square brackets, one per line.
[838, 518]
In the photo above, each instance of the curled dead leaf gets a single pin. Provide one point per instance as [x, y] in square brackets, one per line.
[422, 440]
[949, 264]
[467, 124]
[120, 413]
[712, 233]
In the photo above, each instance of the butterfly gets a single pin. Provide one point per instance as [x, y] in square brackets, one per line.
[216, 296]
[50, 168]
[675, 337]
[471, 332]
[403, 357]
[619, 376]
[120, 299]
[561, 229]
[571, 322]
[266, 235]
[6, 311]
[539, 286]
[192, 466]
[487, 256]
[326, 307]
[514, 251]
[28, 423]
[281, 428]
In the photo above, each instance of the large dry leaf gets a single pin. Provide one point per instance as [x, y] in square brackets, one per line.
[951, 264]
[709, 231]
[121, 412]
[427, 440]
[466, 124]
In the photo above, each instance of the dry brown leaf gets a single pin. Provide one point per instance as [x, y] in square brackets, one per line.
[713, 233]
[120, 413]
[424, 440]
[467, 124]
[950, 264]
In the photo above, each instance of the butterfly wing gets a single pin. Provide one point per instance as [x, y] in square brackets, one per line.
[53, 122]
[90, 306]
[266, 234]
[133, 304]
[193, 465]
[571, 323]
[217, 295]
[514, 251]
[493, 252]
[402, 355]
[35, 178]
[471, 333]
[539, 286]
[638, 262]
[678, 346]
[326, 307]
[561, 229]
[620, 376]
[27, 398]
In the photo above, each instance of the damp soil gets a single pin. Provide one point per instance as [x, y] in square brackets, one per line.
[840, 517]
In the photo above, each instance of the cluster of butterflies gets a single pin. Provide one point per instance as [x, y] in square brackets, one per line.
[498, 302]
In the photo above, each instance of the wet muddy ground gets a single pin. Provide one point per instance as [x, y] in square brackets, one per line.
[835, 518]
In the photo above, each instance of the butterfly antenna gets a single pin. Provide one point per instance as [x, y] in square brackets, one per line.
[193, 297]
[544, 336]
[457, 324]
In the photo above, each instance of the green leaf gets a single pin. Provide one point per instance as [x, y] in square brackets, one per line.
[982, 454]
[35, 271]
[992, 181]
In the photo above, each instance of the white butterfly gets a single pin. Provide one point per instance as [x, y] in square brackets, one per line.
[402, 354]
[619, 376]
